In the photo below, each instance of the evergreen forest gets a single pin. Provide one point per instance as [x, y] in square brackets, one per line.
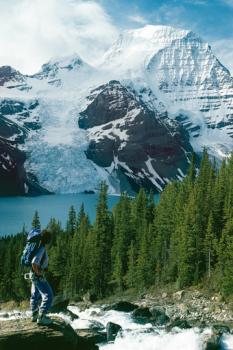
[185, 240]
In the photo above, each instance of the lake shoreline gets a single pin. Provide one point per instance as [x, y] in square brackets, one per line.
[17, 212]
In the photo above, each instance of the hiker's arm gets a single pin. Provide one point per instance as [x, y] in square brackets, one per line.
[36, 269]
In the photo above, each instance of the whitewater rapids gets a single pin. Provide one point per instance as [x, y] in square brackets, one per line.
[135, 336]
[144, 337]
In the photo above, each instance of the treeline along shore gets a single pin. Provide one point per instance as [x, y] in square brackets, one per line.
[185, 240]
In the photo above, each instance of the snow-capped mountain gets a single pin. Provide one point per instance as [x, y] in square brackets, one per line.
[158, 94]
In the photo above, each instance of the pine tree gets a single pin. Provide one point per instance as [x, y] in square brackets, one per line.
[210, 246]
[77, 265]
[192, 172]
[103, 231]
[189, 245]
[139, 212]
[81, 215]
[163, 227]
[143, 270]
[220, 190]
[131, 276]
[150, 212]
[122, 237]
[225, 259]
[72, 221]
[36, 221]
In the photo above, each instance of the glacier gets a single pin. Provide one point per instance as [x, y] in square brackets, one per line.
[172, 71]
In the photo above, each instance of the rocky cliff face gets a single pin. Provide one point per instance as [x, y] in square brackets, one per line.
[136, 146]
[132, 121]
[10, 77]
[13, 178]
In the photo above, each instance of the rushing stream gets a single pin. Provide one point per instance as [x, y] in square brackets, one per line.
[135, 336]
[144, 337]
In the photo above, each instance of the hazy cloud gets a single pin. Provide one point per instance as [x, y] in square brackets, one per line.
[31, 32]
[138, 19]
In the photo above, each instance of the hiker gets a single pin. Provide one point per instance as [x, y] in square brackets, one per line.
[40, 287]
[36, 257]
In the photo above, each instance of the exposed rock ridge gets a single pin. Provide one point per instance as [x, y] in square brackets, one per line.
[134, 145]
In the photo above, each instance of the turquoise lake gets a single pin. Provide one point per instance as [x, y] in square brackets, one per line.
[15, 212]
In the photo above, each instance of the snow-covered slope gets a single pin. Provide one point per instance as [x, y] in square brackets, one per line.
[133, 50]
[180, 70]
[81, 124]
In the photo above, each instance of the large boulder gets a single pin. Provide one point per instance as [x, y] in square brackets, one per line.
[92, 335]
[26, 335]
[153, 315]
[112, 330]
[142, 313]
[179, 323]
[159, 316]
[123, 306]
[94, 332]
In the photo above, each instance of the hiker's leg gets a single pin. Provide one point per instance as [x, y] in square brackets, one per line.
[46, 295]
[35, 297]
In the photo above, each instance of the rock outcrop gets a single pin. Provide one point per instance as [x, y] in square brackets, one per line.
[26, 335]
[136, 146]
[112, 330]
[14, 180]
[10, 75]
[123, 306]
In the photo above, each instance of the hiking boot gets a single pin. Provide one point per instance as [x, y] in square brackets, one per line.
[34, 316]
[43, 320]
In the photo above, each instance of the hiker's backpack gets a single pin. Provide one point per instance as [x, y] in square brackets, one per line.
[32, 246]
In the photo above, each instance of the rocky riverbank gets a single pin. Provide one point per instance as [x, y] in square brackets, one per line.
[167, 312]
[23, 334]
[193, 306]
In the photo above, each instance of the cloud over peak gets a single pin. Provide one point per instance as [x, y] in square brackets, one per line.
[34, 31]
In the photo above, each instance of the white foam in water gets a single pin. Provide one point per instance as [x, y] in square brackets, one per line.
[136, 336]
[96, 314]
[188, 340]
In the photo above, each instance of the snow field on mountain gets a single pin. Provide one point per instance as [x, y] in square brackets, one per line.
[169, 69]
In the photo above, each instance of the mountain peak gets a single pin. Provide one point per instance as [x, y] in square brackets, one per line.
[135, 47]
[53, 66]
[158, 31]
[9, 74]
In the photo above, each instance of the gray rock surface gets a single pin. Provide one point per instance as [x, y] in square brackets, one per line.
[13, 178]
[24, 334]
[123, 306]
[142, 147]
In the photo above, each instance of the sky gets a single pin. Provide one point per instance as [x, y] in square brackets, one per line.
[34, 31]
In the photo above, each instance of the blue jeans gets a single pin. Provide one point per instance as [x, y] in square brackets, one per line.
[41, 295]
